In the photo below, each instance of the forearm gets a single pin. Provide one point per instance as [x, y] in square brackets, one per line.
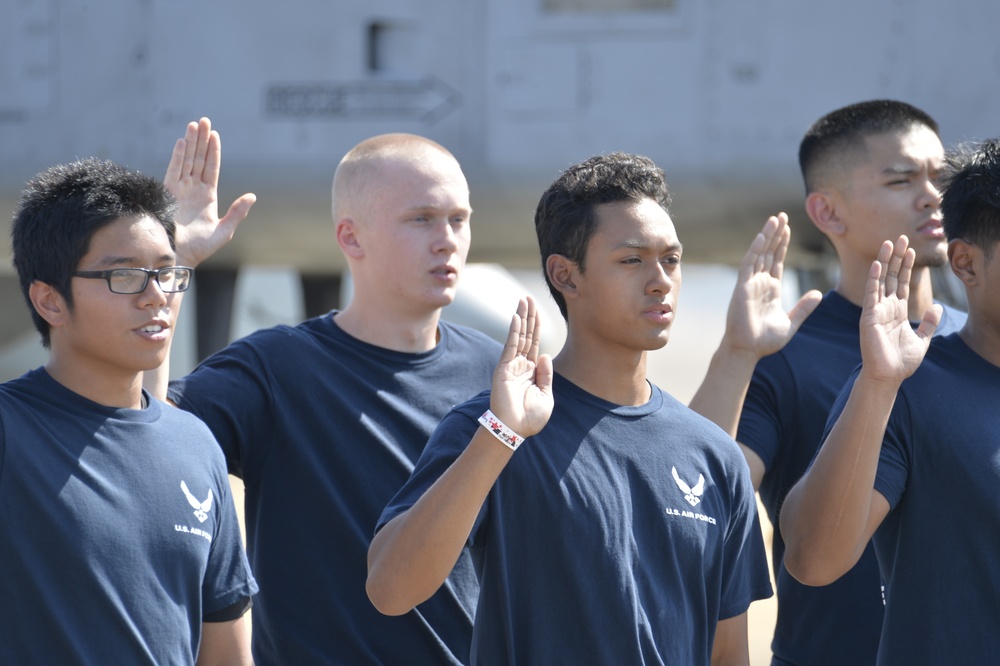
[721, 394]
[826, 519]
[413, 554]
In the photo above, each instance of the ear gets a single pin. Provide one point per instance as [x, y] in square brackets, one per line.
[562, 273]
[964, 261]
[48, 303]
[822, 208]
[347, 238]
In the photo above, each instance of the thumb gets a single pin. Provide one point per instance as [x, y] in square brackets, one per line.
[238, 212]
[930, 322]
[805, 307]
[544, 373]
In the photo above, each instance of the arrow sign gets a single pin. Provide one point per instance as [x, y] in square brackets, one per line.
[427, 100]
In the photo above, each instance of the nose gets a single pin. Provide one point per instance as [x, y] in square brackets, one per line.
[446, 239]
[662, 281]
[931, 197]
[153, 295]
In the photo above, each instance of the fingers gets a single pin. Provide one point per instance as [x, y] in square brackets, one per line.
[176, 164]
[534, 329]
[875, 287]
[212, 161]
[524, 335]
[767, 252]
[517, 333]
[779, 248]
[201, 148]
[894, 268]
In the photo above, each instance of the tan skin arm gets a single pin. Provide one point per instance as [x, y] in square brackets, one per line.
[225, 643]
[731, 647]
[756, 326]
[411, 556]
[832, 512]
[193, 178]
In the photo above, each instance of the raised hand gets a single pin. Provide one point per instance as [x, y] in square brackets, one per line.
[193, 178]
[522, 382]
[756, 321]
[890, 348]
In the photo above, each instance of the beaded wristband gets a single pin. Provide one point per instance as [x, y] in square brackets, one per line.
[497, 428]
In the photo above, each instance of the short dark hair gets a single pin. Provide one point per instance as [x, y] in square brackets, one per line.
[971, 200]
[566, 219]
[841, 134]
[60, 210]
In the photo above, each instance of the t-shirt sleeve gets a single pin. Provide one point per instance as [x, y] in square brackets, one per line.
[760, 421]
[890, 478]
[447, 442]
[894, 458]
[745, 576]
[228, 582]
[231, 392]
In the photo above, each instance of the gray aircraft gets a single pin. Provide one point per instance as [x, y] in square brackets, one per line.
[718, 92]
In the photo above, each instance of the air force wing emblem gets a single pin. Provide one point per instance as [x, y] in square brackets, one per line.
[201, 509]
[692, 495]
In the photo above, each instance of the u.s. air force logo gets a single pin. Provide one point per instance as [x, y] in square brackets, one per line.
[693, 496]
[201, 509]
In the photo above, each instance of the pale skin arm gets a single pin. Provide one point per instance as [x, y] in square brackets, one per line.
[832, 512]
[412, 555]
[731, 647]
[193, 178]
[756, 326]
[225, 643]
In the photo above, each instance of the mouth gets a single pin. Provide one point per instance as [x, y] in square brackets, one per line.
[932, 227]
[662, 312]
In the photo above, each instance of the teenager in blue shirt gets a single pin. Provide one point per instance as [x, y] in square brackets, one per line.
[911, 452]
[871, 171]
[324, 421]
[624, 529]
[118, 536]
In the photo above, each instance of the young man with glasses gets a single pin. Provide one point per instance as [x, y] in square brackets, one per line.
[119, 539]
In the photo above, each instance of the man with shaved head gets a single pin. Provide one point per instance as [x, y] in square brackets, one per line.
[325, 421]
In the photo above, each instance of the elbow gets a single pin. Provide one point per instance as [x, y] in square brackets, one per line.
[383, 585]
[808, 566]
[383, 596]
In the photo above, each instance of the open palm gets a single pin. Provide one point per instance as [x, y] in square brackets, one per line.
[193, 178]
[891, 349]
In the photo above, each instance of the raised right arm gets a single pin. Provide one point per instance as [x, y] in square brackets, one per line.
[412, 555]
[832, 512]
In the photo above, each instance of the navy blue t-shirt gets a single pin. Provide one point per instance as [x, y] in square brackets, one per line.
[324, 429]
[617, 535]
[939, 469]
[786, 408]
[118, 534]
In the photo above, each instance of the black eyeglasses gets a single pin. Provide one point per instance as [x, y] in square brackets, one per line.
[134, 280]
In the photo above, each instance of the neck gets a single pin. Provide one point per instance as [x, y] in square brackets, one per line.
[399, 331]
[619, 378]
[982, 339]
[123, 391]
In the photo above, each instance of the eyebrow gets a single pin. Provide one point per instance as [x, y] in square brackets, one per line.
[426, 208]
[639, 245]
[115, 260]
